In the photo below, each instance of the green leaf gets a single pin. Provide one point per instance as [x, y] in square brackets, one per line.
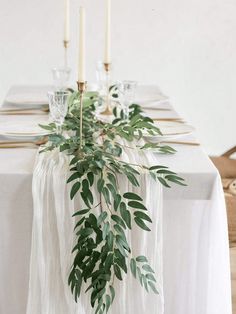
[175, 179]
[122, 240]
[74, 190]
[112, 179]
[120, 261]
[143, 216]
[117, 272]
[79, 223]
[100, 305]
[49, 127]
[140, 277]
[157, 167]
[132, 179]
[85, 232]
[112, 190]
[100, 163]
[119, 230]
[90, 177]
[132, 196]
[108, 302]
[152, 286]
[133, 267]
[101, 218]
[121, 248]
[117, 201]
[125, 214]
[138, 205]
[148, 268]
[141, 259]
[73, 177]
[74, 160]
[150, 277]
[163, 182]
[85, 199]
[105, 230]
[100, 184]
[92, 220]
[89, 196]
[106, 194]
[115, 111]
[141, 224]
[85, 185]
[110, 240]
[81, 212]
[164, 171]
[118, 220]
[112, 290]
[144, 279]
[108, 261]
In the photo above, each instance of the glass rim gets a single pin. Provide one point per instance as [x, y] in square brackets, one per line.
[67, 69]
[58, 93]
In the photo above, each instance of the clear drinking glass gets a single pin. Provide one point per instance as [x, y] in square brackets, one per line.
[101, 77]
[126, 90]
[58, 105]
[61, 77]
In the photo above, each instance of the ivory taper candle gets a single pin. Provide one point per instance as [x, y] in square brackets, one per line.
[67, 21]
[82, 45]
[107, 56]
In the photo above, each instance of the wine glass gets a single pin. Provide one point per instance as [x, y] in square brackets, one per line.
[58, 105]
[126, 90]
[101, 77]
[61, 78]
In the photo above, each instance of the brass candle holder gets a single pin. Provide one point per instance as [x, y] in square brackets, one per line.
[108, 110]
[81, 89]
[66, 46]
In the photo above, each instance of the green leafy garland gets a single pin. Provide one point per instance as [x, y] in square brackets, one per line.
[102, 252]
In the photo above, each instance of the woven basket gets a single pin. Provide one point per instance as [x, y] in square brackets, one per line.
[227, 170]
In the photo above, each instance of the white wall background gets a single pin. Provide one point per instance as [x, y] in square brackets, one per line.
[187, 47]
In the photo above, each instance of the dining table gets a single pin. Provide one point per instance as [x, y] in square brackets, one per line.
[195, 248]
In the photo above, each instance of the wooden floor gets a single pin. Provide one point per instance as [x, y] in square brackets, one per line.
[233, 276]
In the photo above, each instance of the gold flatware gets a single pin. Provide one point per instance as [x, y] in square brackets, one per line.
[24, 144]
[181, 143]
[23, 111]
[18, 145]
[180, 120]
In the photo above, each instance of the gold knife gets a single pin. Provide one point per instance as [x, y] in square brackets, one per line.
[181, 143]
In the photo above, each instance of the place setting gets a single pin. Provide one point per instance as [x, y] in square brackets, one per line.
[20, 102]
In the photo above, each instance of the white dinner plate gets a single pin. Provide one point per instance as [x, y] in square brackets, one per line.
[170, 130]
[21, 131]
[36, 100]
[146, 94]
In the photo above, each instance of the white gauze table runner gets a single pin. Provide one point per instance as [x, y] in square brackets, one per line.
[53, 240]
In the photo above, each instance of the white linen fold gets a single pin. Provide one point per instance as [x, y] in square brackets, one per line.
[53, 239]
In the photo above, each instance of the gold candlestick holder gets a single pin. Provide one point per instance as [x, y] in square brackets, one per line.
[81, 89]
[66, 46]
[108, 110]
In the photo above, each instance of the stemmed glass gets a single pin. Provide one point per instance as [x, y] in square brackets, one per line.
[126, 90]
[58, 105]
[61, 78]
[101, 77]
[104, 81]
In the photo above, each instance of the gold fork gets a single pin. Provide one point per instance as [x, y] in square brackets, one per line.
[26, 144]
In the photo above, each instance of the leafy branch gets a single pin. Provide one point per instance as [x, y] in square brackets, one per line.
[102, 252]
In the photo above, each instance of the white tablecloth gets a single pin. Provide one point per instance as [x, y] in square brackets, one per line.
[195, 243]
